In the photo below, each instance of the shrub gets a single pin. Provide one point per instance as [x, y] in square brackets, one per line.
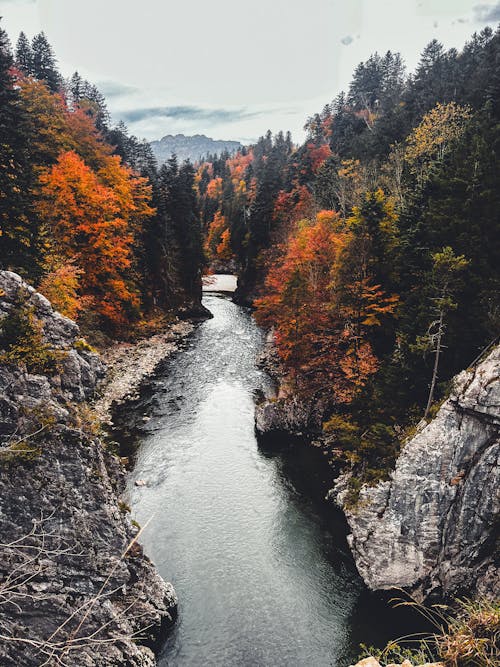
[467, 635]
[22, 342]
[81, 345]
[396, 653]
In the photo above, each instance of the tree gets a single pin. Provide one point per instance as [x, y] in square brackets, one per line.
[76, 87]
[18, 227]
[218, 242]
[61, 287]
[320, 332]
[24, 55]
[429, 141]
[181, 207]
[92, 218]
[431, 83]
[446, 266]
[458, 206]
[44, 62]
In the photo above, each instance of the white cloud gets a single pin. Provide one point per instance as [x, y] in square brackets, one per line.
[278, 61]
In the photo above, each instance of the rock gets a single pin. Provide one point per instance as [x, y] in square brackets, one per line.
[373, 662]
[194, 311]
[140, 482]
[431, 527]
[67, 544]
[282, 411]
[292, 415]
[131, 364]
[368, 662]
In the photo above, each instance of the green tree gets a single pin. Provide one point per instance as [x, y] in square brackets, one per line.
[446, 266]
[44, 62]
[181, 211]
[18, 229]
[24, 54]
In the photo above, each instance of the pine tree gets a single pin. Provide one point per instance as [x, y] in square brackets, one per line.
[182, 209]
[76, 88]
[24, 55]
[18, 230]
[44, 62]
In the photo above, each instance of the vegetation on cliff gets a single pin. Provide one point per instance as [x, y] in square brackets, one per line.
[464, 635]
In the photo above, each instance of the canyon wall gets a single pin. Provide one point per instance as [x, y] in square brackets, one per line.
[76, 585]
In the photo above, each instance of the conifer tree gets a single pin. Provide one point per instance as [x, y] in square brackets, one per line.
[18, 237]
[24, 55]
[44, 62]
[76, 88]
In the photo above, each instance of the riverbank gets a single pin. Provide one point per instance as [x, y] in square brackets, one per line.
[129, 365]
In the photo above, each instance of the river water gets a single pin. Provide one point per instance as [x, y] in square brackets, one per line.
[261, 568]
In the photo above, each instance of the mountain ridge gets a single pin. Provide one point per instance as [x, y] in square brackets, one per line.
[193, 147]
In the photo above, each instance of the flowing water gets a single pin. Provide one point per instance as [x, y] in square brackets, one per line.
[262, 571]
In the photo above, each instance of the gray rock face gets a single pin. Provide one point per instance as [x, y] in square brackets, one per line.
[433, 526]
[75, 586]
[293, 415]
[283, 411]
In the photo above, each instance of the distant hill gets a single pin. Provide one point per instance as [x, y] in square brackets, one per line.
[192, 148]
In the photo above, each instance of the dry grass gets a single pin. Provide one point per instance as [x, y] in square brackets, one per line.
[473, 635]
[467, 634]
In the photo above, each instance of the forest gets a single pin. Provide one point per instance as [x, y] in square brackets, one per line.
[371, 250]
[85, 214]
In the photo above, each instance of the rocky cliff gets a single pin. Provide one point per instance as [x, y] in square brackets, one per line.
[75, 586]
[282, 411]
[432, 528]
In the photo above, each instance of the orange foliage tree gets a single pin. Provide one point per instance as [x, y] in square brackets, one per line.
[214, 188]
[218, 242]
[61, 287]
[322, 301]
[93, 217]
[298, 302]
[318, 154]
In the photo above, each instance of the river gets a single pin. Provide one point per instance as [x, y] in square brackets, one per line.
[261, 568]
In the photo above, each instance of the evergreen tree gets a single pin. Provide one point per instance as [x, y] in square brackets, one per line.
[24, 55]
[18, 230]
[94, 104]
[181, 211]
[44, 62]
[76, 88]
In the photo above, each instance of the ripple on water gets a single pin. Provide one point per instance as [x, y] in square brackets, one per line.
[262, 578]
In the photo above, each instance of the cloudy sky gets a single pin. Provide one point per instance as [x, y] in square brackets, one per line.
[231, 69]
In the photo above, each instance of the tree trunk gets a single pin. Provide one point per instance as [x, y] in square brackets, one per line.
[436, 363]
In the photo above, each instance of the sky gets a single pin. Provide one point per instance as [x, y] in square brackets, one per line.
[232, 69]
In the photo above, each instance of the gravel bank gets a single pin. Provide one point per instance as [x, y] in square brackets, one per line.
[129, 364]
